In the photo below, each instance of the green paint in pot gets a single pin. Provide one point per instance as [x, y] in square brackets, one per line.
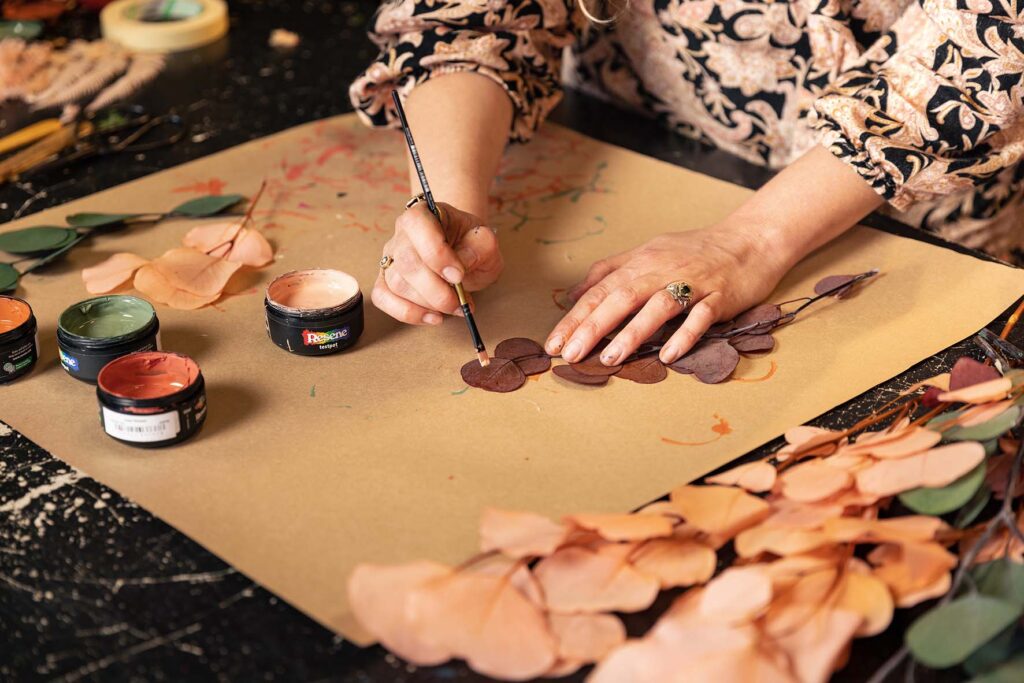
[107, 317]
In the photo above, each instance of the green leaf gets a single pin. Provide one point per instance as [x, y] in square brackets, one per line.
[990, 429]
[8, 277]
[96, 220]
[54, 255]
[1011, 671]
[35, 240]
[969, 512]
[995, 652]
[948, 634]
[939, 501]
[1001, 579]
[209, 205]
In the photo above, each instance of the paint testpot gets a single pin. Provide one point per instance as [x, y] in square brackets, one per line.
[151, 399]
[314, 312]
[96, 331]
[19, 349]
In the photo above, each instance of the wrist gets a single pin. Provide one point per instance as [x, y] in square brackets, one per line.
[763, 242]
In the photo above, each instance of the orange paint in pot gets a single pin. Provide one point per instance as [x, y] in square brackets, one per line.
[13, 314]
[148, 375]
[19, 350]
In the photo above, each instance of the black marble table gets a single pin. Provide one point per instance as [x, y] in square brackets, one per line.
[93, 587]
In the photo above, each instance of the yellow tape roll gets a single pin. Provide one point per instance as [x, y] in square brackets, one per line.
[167, 26]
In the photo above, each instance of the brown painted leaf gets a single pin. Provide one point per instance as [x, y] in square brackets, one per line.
[832, 281]
[502, 375]
[711, 361]
[644, 371]
[968, 372]
[571, 374]
[753, 343]
[526, 353]
[592, 365]
[762, 313]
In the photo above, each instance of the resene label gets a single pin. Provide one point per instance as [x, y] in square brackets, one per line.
[310, 338]
[69, 362]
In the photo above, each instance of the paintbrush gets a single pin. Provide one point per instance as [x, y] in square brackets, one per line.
[478, 342]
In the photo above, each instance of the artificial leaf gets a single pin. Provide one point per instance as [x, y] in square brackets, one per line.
[1010, 671]
[378, 595]
[898, 444]
[967, 372]
[756, 477]
[970, 511]
[251, 248]
[995, 427]
[722, 510]
[110, 274]
[815, 648]
[221, 251]
[764, 316]
[914, 572]
[939, 501]
[8, 277]
[644, 371]
[571, 374]
[830, 282]
[866, 595]
[487, 621]
[586, 637]
[97, 220]
[195, 272]
[736, 595]
[907, 528]
[676, 562]
[813, 480]
[992, 390]
[592, 365]
[616, 527]
[753, 343]
[501, 375]
[206, 206]
[520, 534]
[211, 236]
[527, 354]
[35, 240]
[947, 634]
[995, 652]
[1001, 579]
[932, 469]
[152, 283]
[980, 414]
[578, 579]
[778, 540]
[711, 361]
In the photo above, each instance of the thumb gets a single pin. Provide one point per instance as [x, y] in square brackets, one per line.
[480, 255]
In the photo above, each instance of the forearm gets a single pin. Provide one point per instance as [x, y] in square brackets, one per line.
[810, 203]
[461, 123]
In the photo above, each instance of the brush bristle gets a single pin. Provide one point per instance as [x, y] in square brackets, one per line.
[484, 359]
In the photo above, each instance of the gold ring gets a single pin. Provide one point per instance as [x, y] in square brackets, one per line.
[681, 292]
[385, 262]
[415, 200]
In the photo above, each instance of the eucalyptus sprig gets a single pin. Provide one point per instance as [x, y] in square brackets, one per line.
[43, 244]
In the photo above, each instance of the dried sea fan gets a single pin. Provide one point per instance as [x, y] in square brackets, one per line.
[143, 68]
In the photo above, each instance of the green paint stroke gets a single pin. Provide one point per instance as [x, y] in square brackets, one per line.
[312, 391]
[589, 233]
[461, 391]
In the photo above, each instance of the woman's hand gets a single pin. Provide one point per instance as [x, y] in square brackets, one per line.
[729, 269]
[417, 287]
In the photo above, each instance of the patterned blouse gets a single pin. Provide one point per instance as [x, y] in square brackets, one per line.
[923, 98]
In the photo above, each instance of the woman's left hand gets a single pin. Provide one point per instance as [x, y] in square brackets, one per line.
[729, 269]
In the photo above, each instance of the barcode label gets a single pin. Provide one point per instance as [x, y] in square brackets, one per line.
[141, 428]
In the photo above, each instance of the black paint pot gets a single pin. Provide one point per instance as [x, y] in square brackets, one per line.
[96, 331]
[314, 312]
[19, 349]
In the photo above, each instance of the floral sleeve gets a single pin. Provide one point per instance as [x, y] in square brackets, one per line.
[936, 107]
[516, 43]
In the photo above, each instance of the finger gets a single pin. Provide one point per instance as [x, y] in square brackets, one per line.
[480, 255]
[399, 308]
[704, 314]
[427, 237]
[658, 310]
[599, 270]
[431, 290]
[580, 312]
[622, 301]
[399, 286]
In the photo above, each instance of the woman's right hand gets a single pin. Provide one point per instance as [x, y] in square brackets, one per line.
[417, 287]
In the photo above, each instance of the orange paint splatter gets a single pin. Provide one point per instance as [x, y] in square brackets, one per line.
[766, 376]
[214, 186]
[720, 428]
[331, 151]
[284, 212]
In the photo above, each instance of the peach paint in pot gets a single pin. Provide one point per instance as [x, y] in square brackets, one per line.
[314, 312]
[151, 399]
[19, 349]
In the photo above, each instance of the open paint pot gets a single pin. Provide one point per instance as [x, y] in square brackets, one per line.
[94, 332]
[151, 399]
[18, 347]
[314, 312]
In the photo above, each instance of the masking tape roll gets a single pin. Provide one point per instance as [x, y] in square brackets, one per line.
[167, 26]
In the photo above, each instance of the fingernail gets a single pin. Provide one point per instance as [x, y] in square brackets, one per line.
[467, 256]
[572, 350]
[457, 310]
[669, 353]
[611, 355]
[432, 318]
[554, 344]
[452, 274]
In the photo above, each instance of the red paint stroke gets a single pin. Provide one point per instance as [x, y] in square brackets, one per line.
[768, 375]
[554, 297]
[333, 150]
[285, 212]
[293, 172]
[720, 428]
[214, 186]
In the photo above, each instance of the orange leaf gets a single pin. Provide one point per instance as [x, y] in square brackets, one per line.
[976, 415]
[934, 468]
[110, 274]
[817, 646]
[868, 596]
[719, 509]
[738, 594]
[195, 272]
[675, 562]
[900, 444]
[778, 540]
[488, 622]
[586, 637]
[992, 390]
[251, 249]
[786, 571]
[914, 572]
[908, 528]
[153, 284]
[519, 534]
[813, 480]
[379, 594]
[938, 381]
[210, 236]
[756, 477]
[577, 579]
[221, 251]
[611, 527]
